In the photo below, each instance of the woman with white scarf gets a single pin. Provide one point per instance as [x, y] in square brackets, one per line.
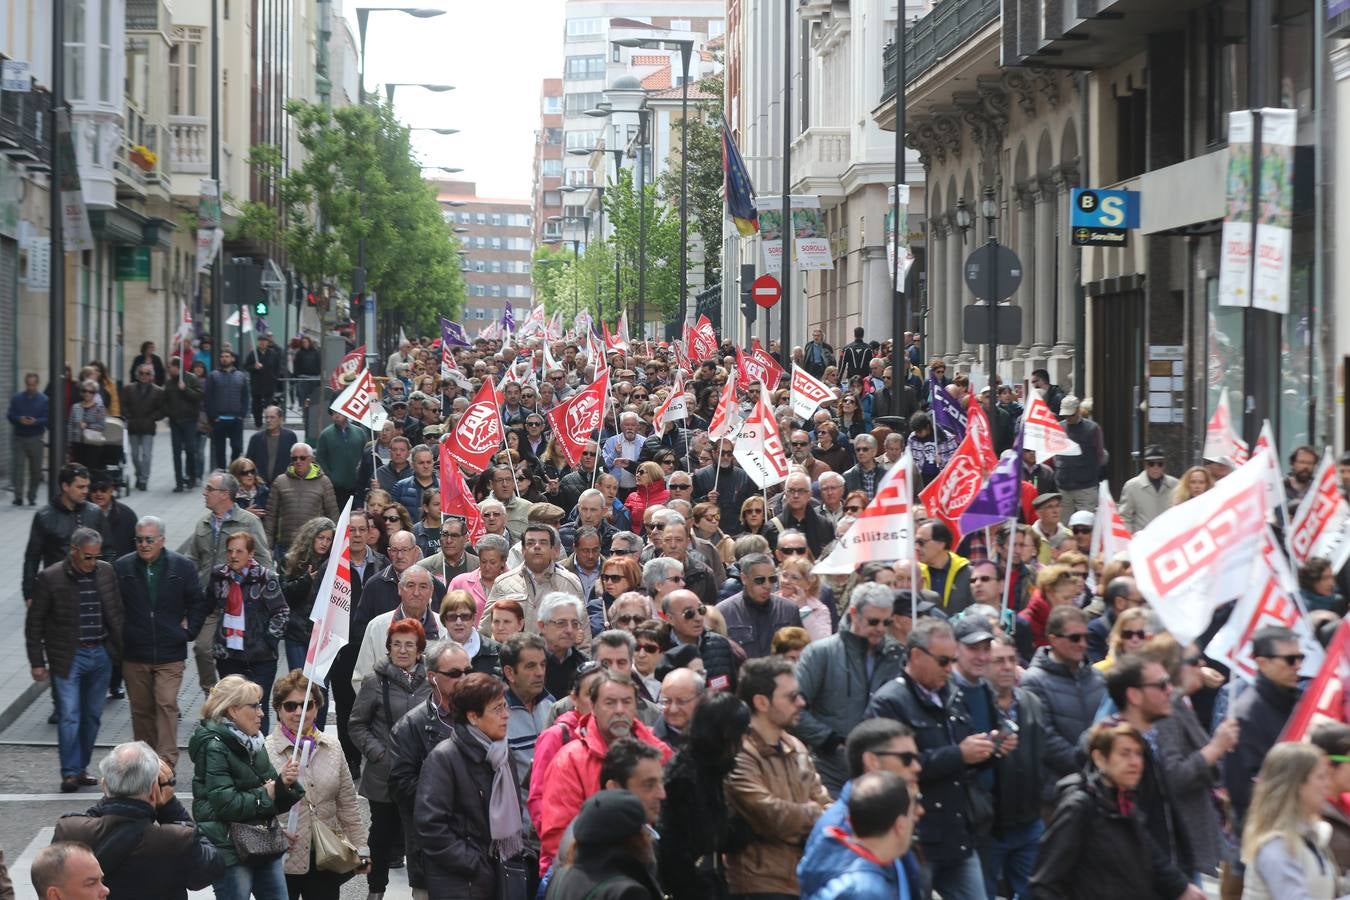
[468, 812]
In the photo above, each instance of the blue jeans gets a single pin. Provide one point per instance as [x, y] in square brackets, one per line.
[81, 694]
[295, 659]
[960, 880]
[222, 430]
[263, 881]
[142, 452]
[1012, 855]
[186, 451]
[262, 672]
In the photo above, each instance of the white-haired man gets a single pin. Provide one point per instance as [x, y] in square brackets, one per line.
[415, 587]
[561, 620]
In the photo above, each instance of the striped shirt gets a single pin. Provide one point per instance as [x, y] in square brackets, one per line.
[91, 610]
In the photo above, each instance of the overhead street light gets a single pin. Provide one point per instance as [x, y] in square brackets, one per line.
[433, 130]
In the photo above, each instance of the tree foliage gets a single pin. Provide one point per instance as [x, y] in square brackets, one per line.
[360, 180]
[705, 176]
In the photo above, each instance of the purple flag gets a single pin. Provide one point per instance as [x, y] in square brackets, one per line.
[452, 333]
[997, 500]
[947, 413]
[509, 317]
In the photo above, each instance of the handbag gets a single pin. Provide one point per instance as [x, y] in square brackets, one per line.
[516, 878]
[258, 842]
[332, 851]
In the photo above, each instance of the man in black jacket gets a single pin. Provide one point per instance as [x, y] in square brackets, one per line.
[817, 354]
[685, 613]
[725, 484]
[951, 752]
[1261, 711]
[142, 836]
[227, 402]
[53, 524]
[270, 447]
[855, 358]
[164, 608]
[1010, 851]
[265, 369]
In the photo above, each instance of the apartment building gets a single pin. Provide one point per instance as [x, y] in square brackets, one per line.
[497, 239]
[548, 163]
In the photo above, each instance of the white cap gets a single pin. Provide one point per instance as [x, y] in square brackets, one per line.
[1082, 517]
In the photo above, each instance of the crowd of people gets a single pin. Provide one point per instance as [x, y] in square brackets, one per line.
[634, 683]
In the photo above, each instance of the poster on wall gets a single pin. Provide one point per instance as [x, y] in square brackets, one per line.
[1235, 257]
[906, 252]
[1275, 213]
[810, 238]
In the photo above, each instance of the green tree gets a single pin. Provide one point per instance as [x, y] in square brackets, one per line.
[360, 180]
[662, 251]
[705, 176]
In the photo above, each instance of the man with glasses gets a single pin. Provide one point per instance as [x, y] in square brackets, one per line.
[1080, 526]
[1261, 710]
[73, 632]
[726, 484]
[661, 576]
[561, 620]
[687, 617]
[143, 407]
[986, 583]
[839, 674]
[454, 557]
[1142, 693]
[561, 390]
[206, 549]
[505, 492]
[866, 474]
[299, 494]
[831, 487]
[800, 515]
[753, 615]
[1149, 494]
[585, 562]
[799, 453]
[537, 575]
[590, 513]
[270, 449]
[415, 589]
[164, 607]
[1010, 850]
[951, 751]
[424, 477]
[681, 691]
[576, 482]
[1069, 689]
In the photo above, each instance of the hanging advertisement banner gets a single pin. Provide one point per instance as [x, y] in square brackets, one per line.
[1235, 256]
[810, 239]
[209, 233]
[906, 253]
[1275, 214]
[77, 234]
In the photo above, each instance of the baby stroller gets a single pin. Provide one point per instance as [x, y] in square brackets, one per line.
[104, 454]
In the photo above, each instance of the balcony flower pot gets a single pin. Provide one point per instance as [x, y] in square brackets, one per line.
[143, 157]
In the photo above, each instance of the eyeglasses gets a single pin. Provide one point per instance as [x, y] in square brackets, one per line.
[1162, 684]
[565, 623]
[765, 579]
[251, 471]
[457, 617]
[943, 661]
[907, 757]
[1293, 659]
[801, 443]
[88, 557]
[1196, 660]
[291, 706]
[87, 393]
[853, 509]
[793, 551]
[873, 623]
[1131, 634]
[629, 619]
[612, 576]
[981, 579]
[299, 458]
[452, 672]
[1154, 463]
[142, 539]
[1077, 637]
[393, 519]
[681, 487]
[170, 783]
[649, 648]
[1082, 529]
[693, 611]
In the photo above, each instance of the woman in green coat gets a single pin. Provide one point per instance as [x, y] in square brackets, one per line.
[234, 782]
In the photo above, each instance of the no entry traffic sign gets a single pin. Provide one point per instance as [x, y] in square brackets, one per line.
[766, 290]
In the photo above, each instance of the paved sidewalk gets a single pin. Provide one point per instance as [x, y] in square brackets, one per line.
[179, 512]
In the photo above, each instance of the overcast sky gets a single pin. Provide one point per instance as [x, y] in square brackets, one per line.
[496, 54]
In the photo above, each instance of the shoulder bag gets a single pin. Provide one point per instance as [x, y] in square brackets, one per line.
[258, 842]
[332, 851]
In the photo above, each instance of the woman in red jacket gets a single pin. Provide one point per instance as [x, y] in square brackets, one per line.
[650, 491]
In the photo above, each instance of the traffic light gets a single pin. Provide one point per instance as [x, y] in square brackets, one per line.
[260, 308]
[358, 304]
[312, 298]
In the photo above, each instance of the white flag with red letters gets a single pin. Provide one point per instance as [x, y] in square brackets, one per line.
[1321, 525]
[807, 393]
[1043, 433]
[884, 531]
[759, 447]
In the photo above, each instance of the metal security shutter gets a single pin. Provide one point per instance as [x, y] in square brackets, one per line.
[9, 315]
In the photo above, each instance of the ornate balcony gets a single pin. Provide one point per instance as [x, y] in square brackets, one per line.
[936, 36]
[24, 126]
[820, 156]
[190, 145]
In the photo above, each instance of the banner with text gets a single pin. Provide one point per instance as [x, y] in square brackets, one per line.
[1275, 213]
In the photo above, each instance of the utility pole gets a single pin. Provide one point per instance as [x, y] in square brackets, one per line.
[56, 297]
[785, 307]
[218, 262]
[900, 311]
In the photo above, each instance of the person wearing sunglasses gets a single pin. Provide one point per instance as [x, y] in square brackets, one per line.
[299, 494]
[253, 491]
[727, 485]
[1149, 494]
[1121, 593]
[687, 616]
[459, 620]
[839, 674]
[754, 614]
[951, 752]
[1132, 629]
[1069, 690]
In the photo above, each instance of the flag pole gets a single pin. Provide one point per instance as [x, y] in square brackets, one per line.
[1011, 548]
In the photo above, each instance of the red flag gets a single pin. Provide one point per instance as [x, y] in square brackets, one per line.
[725, 420]
[758, 366]
[977, 425]
[480, 432]
[1324, 700]
[575, 419]
[952, 491]
[457, 500]
[704, 344]
[346, 369]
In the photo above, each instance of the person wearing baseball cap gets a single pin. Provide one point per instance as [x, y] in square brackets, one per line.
[1148, 494]
[1049, 526]
[1081, 524]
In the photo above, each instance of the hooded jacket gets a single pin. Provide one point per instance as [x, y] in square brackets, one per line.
[825, 859]
[228, 786]
[604, 872]
[955, 590]
[1070, 701]
[295, 499]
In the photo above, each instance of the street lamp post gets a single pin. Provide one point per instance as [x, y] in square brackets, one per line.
[989, 210]
[900, 314]
[56, 298]
[627, 100]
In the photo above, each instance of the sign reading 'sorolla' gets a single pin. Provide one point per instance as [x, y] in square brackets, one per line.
[479, 433]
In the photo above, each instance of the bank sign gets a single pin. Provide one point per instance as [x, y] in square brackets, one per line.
[1102, 218]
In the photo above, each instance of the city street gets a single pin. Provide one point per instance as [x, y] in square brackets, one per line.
[30, 801]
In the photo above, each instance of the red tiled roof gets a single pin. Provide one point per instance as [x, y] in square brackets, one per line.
[650, 59]
[658, 80]
[673, 93]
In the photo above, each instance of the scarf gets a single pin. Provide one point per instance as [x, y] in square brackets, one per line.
[253, 743]
[310, 738]
[504, 807]
[232, 622]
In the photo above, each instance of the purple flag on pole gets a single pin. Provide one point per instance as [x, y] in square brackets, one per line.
[452, 333]
[947, 413]
[509, 317]
[997, 500]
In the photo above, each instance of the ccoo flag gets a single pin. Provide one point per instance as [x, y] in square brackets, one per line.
[332, 610]
[740, 192]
